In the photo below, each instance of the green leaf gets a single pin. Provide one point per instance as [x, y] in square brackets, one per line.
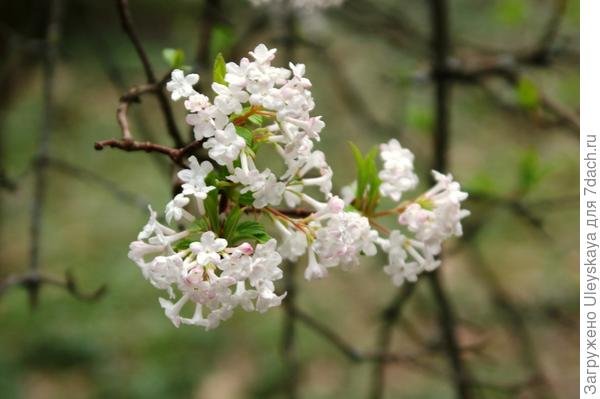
[481, 183]
[250, 230]
[531, 171]
[200, 225]
[174, 57]
[246, 134]
[182, 244]
[419, 117]
[219, 70]
[221, 40]
[246, 198]
[527, 94]
[211, 206]
[256, 119]
[372, 172]
[361, 172]
[231, 222]
[511, 12]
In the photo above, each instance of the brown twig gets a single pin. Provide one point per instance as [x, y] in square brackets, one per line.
[129, 28]
[133, 96]
[176, 154]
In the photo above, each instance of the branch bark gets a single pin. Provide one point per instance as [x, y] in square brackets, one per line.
[165, 106]
[441, 47]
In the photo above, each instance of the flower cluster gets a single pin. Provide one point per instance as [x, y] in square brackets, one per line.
[220, 255]
[429, 220]
[215, 277]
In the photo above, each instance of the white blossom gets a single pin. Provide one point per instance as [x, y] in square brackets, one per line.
[397, 175]
[175, 209]
[225, 146]
[181, 85]
[194, 178]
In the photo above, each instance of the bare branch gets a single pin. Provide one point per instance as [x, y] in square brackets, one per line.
[33, 281]
[50, 55]
[176, 154]
[89, 176]
[389, 318]
[128, 27]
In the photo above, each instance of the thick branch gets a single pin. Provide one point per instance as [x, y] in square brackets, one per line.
[439, 14]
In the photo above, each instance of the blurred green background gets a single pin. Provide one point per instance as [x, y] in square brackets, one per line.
[370, 83]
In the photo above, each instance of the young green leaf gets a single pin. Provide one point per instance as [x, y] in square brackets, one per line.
[200, 225]
[361, 173]
[211, 206]
[256, 119]
[372, 172]
[219, 70]
[174, 57]
[221, 39]
[250, 230]
[182, 244]
[246, 134]
[527, 94]
[231, 222]
[531, 171]
[246, 199]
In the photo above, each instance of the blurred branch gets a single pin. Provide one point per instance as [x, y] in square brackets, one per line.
[357, 106]
[440, 46]
[111, 187]
[389, 317]
[212, 14]
[49, 59]
[288, 337]
[388, 23]
[33, 279]
[509, 66]
[6, 183]
[289, 333]
[128, 27]
[32, 282]
[517, 325]
[355, 355]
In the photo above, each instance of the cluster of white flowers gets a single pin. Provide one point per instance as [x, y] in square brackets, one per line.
[302, 4]
[276, 104]
[397, 175]
[432, 218]
[208, 272]
[218, 262]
